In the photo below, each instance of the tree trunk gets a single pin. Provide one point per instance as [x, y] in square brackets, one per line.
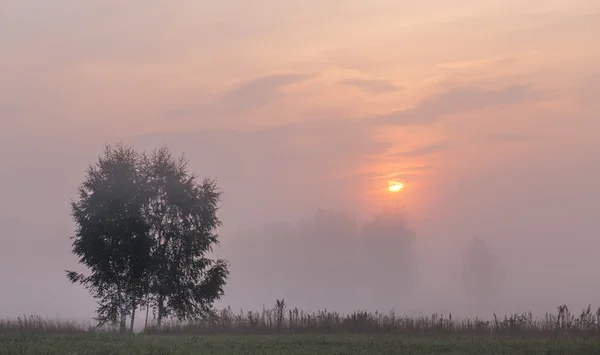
[122, 309]
[147, 311]
[133, 307]
[123, 322]
[161, 311]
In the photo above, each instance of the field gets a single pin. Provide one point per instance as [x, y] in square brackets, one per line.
[289, 344]
[280, 331]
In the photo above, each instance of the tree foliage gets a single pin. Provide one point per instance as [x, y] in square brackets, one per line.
[182, 216]
[145, 227]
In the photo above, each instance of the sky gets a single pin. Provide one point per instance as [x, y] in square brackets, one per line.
[487, 111]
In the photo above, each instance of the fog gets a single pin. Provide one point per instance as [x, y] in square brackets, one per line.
[303, 118]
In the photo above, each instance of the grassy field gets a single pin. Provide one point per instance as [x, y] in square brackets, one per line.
[281, 331]
[288, 344]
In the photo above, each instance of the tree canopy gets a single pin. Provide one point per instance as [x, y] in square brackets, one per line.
[145, 229]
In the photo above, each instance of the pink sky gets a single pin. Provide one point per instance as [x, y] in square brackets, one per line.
[488, 111]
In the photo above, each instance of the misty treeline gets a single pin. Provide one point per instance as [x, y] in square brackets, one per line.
[333, 261]
[145, 228]
[329, 260]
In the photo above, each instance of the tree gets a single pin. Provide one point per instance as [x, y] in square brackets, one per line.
[144, 229]
[389, 261]
[111, 238]
[181, 213]
[481, 274]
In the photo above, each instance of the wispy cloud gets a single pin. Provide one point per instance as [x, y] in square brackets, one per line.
[242, 98]
[374, 86]
[425, 150]
[456, 101]
[257, 92]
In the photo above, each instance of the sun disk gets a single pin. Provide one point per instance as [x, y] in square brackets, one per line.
[395, 186]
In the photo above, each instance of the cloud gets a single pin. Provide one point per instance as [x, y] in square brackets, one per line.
[244, 97]
[456, 101]
[425, 150]
[418, 168]
[374, 86]
[405, 173]
[257, 92]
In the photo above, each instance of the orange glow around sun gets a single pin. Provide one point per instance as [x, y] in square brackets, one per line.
[395, 186]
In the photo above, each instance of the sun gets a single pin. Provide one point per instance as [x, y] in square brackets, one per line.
[395, 186]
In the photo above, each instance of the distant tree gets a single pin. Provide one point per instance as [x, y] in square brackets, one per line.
[329, 240]
[481, 274]
[311, 261]
[145, 227]
[390, 263]
[111, 238]
[181, 213]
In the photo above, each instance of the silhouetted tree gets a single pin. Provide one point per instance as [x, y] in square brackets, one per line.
[181, 213]
[481, 274]
[111, 238]
[144, 229]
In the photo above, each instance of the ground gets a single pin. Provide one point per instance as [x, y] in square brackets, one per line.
[88, 344]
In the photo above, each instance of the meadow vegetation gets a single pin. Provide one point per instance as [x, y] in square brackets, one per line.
[279, 330]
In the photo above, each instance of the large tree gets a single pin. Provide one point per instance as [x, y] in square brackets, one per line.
[145, 228]
[112, 238]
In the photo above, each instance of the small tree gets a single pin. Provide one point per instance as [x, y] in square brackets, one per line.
[111, 238]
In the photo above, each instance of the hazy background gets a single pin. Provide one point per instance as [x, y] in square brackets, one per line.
[488, 111]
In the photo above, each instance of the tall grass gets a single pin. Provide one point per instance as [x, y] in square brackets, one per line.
[38, 324]
[280, 320]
